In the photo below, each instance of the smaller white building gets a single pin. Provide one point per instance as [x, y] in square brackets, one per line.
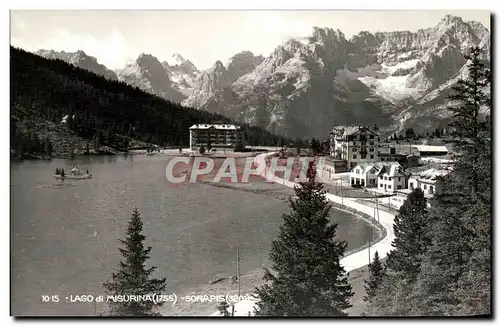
[427, 181]
[392, 177]
[365, 174]
[429, 150]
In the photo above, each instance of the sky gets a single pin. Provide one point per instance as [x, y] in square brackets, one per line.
[114, 37]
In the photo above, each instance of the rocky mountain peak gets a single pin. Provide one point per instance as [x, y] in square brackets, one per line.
[328, 35]
[242, 63]
[182, 66]
[147, 73]
[81, 53]
[147, 59]
[178, 59]
[79, 59]
[218, 66]
[312, 83]
[450, 20]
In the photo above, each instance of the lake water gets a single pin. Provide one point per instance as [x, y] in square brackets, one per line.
[64, 240]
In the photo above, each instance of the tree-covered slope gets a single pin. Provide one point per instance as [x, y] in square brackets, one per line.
[112, 112]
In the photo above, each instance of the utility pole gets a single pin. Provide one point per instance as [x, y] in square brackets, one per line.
[369, 255]
[341, 191]
[237, 274]
[238, 269]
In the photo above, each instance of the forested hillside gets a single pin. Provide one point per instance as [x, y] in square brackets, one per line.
[441, 264]
[104, 112]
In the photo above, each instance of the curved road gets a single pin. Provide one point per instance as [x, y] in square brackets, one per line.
[351, 262]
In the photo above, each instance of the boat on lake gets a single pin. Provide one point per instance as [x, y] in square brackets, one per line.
[73, 177]
[74, 174]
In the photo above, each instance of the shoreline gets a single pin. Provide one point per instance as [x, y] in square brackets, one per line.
[355, 261]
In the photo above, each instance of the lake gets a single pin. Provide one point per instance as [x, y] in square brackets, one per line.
[64, 240]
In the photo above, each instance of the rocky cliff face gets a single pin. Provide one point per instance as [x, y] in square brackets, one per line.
[79, 59]
[182, 73]
[209, 85]
[395, 79]
[148, 74]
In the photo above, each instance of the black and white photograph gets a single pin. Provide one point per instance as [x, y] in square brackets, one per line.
[250, 163]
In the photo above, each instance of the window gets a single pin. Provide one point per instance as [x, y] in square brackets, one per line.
[354, 143]
[382, 159]
[431, 189]
[354, 156]
[399, 178]
[354, 150]
[399, 186]
[425, 187]
[371, 149]
[371, 136]
[380, 186]
[372, 143]
[371, 156]
[363, 155]
[385, 178]
[411, 185]
[388, 186]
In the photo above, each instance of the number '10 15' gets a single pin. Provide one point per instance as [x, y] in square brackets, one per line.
[50, 298]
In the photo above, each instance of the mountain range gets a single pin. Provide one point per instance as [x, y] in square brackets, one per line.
[308, 85]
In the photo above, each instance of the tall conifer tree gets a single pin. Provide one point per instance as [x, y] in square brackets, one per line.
[306, 278]
[132, 277]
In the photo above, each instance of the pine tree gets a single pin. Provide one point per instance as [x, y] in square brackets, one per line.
[306, 278]
[238, 145]
[223, 309]
[315, 146]
[133, 277]
[377, 273]
[97, 141]
[471, 95]
[455, 277]
[411, 236]
[48, 147]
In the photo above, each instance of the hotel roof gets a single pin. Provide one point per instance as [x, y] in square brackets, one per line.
[215, 126]
[429, 148]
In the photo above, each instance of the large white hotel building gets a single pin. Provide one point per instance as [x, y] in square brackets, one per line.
[218, 135]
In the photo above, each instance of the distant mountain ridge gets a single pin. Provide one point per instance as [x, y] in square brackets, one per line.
[307, 85]
[81, 60]
[97, 112]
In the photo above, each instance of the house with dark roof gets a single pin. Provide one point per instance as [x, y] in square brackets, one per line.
[392, 177]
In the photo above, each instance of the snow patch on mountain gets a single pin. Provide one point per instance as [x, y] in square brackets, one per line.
[408, 64]
[392, 88]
